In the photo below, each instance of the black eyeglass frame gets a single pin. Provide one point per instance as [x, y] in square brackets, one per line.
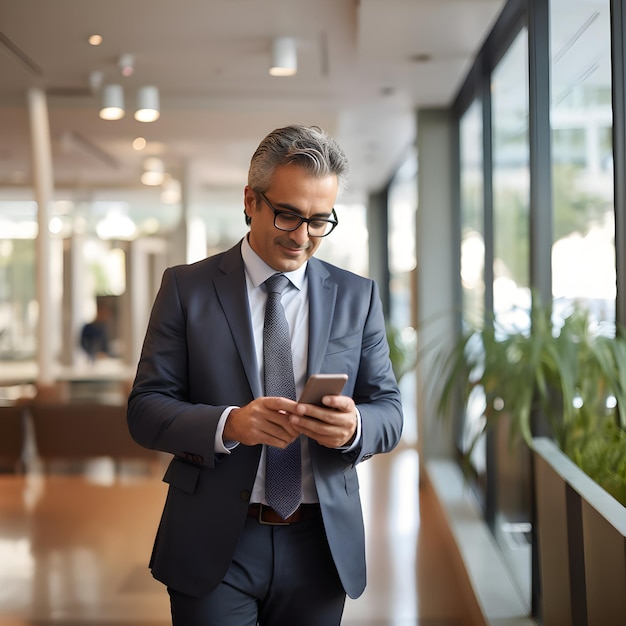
[333, 222]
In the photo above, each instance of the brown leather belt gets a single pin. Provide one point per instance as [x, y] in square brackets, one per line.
[267, 515]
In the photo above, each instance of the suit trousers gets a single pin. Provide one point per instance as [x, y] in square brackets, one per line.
[279, 576]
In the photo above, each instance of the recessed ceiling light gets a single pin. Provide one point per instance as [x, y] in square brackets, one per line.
[95, 40]
[139, 143]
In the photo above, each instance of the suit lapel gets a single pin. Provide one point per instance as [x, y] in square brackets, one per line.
[232, 293]
[233, 296]
[322, 299]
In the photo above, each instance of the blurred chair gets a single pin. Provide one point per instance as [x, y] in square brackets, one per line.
[73, 431]
[12, 429]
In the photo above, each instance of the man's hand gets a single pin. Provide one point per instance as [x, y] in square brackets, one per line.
[264, 420]
[332, 425]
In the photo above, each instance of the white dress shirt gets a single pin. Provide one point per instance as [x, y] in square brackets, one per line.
[296, 304]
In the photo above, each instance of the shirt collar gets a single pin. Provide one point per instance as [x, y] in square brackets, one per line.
[259, 271]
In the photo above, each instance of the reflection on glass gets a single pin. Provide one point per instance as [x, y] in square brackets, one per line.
[472, 215]
[583, 252]
[402, 205]
[18, 322]
[511, 188]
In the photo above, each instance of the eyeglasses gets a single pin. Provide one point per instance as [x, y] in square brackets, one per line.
[288, 221]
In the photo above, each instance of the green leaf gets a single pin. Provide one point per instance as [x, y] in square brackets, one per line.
[574, 377]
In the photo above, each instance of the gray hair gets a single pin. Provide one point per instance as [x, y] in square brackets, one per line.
[308, 147]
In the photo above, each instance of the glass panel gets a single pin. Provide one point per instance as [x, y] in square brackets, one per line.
[473, 265]
[402, 261]
[583, 252]
[472, 215]
[511, 294]
[18, 318]
[511, 187]
[402, 209]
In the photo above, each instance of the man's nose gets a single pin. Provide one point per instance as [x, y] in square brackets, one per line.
[301, 234]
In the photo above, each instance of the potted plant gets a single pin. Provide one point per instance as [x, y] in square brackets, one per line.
[574, 376]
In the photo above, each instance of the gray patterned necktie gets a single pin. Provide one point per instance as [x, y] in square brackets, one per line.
[283, 475]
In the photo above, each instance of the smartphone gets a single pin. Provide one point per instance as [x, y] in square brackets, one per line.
[320, 385]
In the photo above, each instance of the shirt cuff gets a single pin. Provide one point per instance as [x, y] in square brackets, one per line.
[356, 442]
[221, 446]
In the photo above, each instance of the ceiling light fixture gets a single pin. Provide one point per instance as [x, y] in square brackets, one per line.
[112, 103]
[153, 171]
[147, 104]
[95, 40]
[284, 57]
[127, 64]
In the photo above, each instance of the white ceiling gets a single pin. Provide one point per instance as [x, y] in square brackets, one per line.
[364, 66]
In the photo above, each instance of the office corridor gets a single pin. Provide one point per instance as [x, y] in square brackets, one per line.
[74, 548]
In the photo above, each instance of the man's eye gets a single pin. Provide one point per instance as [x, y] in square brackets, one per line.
[289, 218]
[318, 224]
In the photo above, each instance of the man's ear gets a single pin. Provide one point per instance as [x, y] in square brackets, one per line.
[249, 201]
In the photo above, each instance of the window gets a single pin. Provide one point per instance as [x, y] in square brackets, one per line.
[511, 186]
[583, 251]
[472, 215]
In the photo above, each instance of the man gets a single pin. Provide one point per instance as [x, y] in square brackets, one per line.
[94, 336]
[227, 558]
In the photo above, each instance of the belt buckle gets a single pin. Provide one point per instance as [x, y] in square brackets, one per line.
[261, 521]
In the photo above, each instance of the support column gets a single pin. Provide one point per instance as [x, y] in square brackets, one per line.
[146, 260]
[43, 185]
[72, 299]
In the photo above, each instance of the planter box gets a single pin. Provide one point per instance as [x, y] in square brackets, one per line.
[581, 532]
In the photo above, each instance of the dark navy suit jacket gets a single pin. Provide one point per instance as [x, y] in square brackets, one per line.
[198, 358]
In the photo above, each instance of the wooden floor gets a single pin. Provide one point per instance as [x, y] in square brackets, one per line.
[74, 549]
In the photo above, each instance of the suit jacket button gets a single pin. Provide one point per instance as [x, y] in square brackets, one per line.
[245, 495]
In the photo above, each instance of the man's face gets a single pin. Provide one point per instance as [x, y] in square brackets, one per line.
[293, 190]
